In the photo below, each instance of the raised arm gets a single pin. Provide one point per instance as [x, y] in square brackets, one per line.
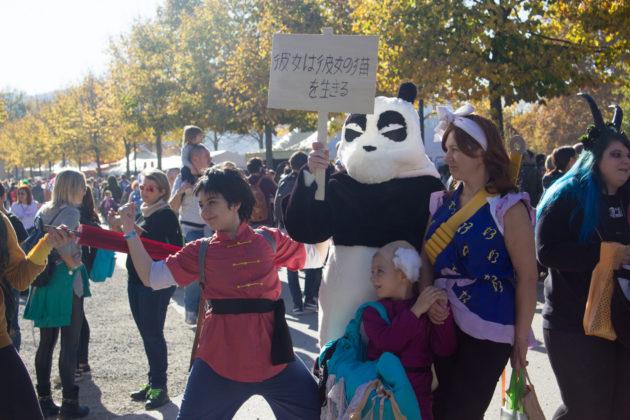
[139, 256]
[22, 269]
[308, 220]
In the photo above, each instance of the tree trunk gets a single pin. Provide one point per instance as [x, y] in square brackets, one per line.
[79, 162]
[97, 152]
[268, 146]
[50, 167]
[31, 171]
[421, 116]
[135, 157]
[496, 106]
[127, 151]
[261, 144]
[215, 141]
[158, 149]
[63, 160]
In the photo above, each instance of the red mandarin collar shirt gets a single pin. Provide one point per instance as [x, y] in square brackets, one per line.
[238, 347]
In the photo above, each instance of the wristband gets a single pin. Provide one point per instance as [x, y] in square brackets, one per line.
[130, 235]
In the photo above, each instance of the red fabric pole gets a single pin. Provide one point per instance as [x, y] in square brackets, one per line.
[96, 237]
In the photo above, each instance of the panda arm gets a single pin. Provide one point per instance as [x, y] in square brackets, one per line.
[308, 220]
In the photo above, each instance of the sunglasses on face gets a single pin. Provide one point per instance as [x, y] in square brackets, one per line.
[148, 188]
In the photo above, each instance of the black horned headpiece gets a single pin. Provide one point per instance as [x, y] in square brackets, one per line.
[600, 129]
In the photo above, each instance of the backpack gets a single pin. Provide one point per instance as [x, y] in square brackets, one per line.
[33, 238]
[351, 386]
[285, 188]
[260, 213]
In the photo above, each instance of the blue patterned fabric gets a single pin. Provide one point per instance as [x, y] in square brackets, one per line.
[477, 253]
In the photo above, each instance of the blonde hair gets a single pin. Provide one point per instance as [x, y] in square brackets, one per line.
[161, 180]
[69, 184]
[404, 257]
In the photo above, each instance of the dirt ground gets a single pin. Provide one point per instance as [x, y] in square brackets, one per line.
[117, 357]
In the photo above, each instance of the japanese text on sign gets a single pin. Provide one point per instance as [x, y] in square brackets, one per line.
[335, 73]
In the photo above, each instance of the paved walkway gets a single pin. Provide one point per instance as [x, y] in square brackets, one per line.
[119, 363]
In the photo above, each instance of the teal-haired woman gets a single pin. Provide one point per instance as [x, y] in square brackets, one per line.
[583, 209]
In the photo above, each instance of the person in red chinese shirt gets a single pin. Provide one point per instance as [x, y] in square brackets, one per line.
[244, 347]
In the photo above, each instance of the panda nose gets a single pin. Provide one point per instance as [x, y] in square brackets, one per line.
[369, 148]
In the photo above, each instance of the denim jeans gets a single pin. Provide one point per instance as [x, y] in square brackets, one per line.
[312, 281]
[148, 308]
[193, 290]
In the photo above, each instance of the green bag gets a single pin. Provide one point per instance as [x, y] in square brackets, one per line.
[513, 405]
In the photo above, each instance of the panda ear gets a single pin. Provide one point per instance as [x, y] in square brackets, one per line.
[407, 91]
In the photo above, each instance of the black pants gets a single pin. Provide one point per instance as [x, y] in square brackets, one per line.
[17, 396]
[593, 375]
[468, 378]
[68, 353]
[84, 342]
[148, 308]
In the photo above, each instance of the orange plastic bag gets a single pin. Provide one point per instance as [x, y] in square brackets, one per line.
[597, 319]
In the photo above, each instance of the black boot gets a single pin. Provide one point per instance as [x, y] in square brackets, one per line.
[46, 403]
[70, 408]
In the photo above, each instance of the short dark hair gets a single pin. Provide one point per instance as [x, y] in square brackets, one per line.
[231, 185]
[2, 190]
[254, 165]
[298, 160]
[562, 156]
[190, 132]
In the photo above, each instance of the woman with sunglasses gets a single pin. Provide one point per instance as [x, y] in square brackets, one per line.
[158, 222]
[25, 208]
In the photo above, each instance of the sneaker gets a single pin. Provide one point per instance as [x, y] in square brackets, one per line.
[310, 306]
[191, 318]
[140, 395]
[156, 397]
[297, 310]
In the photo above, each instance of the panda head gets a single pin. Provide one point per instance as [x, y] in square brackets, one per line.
[387, 144]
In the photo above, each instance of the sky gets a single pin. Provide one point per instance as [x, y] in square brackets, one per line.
[46, 45]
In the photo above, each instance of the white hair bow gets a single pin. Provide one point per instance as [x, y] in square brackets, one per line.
[448, 117]
[408, 261]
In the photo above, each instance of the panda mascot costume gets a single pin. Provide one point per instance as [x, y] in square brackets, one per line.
[381, 196]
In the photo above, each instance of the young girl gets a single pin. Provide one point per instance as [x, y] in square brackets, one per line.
[191, 137]
[244, 347]
[411, 336]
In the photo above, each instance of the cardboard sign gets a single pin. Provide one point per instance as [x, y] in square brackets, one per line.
[330, 73]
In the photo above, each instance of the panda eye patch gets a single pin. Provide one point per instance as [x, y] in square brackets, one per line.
[351, 134]
[398, 135]
[392, 125]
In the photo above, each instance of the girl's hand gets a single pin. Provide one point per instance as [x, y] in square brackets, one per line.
[438, 312]
[518, 358]
[113, 220]
[427, 298]
[319, 158]
[59, 236]
[127, 215]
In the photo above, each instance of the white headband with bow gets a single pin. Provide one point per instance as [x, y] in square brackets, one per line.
[448, 116]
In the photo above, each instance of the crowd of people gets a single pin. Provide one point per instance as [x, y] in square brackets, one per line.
[459, 305]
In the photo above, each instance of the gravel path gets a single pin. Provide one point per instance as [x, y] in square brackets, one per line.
[117, 357]
[119, 364]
